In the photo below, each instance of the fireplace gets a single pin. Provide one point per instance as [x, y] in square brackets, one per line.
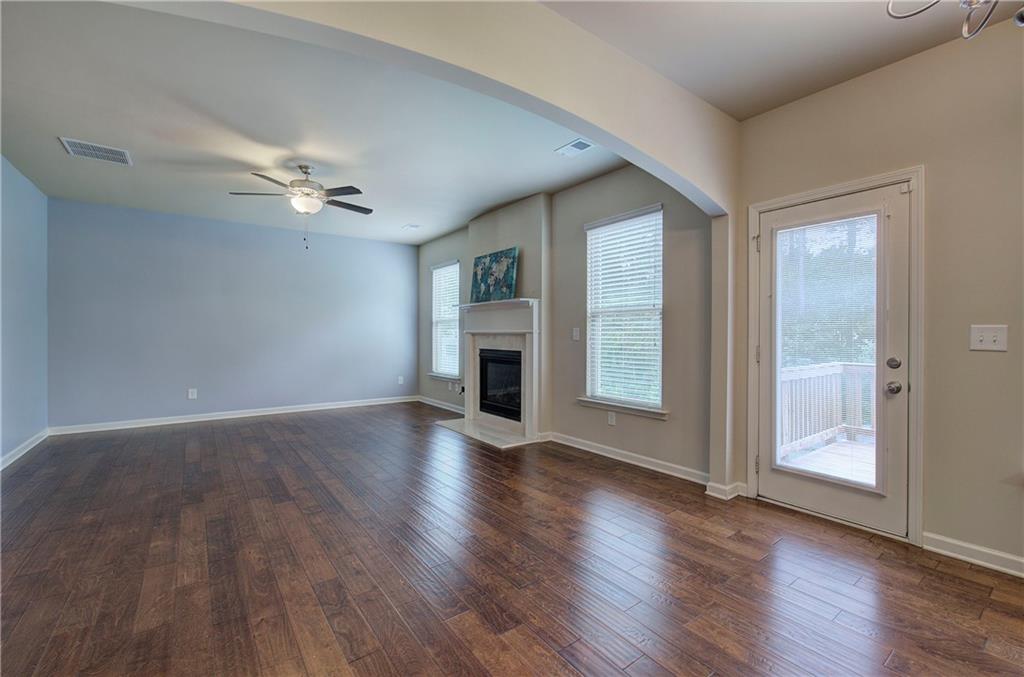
[501, 383]
[501, 371]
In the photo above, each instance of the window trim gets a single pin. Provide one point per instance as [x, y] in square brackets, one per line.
[623, 407]
[589, 399]
[444, 377]
[434, 373]
[625, 216]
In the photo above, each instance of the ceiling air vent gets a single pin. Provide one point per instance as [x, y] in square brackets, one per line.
[96, 151]
[574, 148]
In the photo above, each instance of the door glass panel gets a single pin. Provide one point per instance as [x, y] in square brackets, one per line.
[825, 315]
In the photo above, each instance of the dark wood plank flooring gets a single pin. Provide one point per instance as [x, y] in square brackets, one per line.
[372, 542]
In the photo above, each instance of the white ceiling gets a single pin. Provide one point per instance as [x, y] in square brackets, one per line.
[749, 57]
[200, 105]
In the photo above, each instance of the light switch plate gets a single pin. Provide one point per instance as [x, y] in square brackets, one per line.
[401, 380]
[989, 337]
[575, 333]
[611, 418]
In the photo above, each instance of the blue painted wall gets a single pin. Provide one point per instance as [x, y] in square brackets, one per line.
[143, 306]
[23, 342]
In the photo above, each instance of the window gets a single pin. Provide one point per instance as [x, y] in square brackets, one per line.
[445, 319]
[624, 308]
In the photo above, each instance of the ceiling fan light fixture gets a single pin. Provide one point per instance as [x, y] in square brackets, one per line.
[307, 204]
[308, 196]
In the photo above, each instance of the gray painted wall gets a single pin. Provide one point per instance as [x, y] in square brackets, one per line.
[23, 362]
[144, 306]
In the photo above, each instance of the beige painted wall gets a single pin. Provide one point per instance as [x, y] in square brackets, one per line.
[683, 438]
[957, 110]
[518, 224]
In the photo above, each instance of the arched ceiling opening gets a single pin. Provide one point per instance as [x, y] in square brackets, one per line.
[527, 55]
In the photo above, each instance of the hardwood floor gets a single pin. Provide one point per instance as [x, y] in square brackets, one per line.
[371, 542]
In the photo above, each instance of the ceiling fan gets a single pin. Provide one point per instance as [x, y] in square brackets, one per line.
[308, 197]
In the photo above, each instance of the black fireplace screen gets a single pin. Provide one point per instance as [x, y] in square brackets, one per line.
[501, 383]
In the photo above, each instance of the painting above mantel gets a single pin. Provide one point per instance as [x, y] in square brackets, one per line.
[494, 276]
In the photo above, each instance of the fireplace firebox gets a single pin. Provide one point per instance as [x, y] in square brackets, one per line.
[501, 383]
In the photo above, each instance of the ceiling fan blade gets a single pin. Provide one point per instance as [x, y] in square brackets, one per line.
[277, 194]
[267, 178]
[351, 207]
[342, 190]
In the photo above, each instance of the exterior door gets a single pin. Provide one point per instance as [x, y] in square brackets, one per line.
[834, 337]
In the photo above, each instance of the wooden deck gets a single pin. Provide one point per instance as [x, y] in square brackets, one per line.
[851, 461]
[372, 542]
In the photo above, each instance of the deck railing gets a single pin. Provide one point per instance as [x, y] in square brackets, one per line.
[824, 403]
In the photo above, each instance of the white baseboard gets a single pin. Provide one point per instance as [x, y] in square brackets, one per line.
[634, 459]
[726, 492]
[219, 415]
[442, 405]
[1006, 562]
[23, 448]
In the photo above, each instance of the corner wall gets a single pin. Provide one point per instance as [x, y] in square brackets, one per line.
[445, 248]
[957, 109]
[524, 224]
[23, 363]
[549, 231]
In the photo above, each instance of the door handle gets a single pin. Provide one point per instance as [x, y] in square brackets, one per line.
[893, 387]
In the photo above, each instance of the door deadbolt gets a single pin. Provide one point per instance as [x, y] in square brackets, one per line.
[893, 363]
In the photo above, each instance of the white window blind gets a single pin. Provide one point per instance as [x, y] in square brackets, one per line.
[624, 308]
[445, 323]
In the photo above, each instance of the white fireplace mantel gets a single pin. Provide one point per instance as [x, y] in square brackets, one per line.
[512, 324]
[496, 305]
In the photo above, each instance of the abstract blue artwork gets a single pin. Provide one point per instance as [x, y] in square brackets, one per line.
[494, 276]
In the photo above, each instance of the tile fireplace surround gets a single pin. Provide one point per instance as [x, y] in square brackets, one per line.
[501, 325]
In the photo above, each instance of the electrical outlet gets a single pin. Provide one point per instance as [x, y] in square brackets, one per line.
[449, 386]
[401, 380]
[193, 393]
[989, 337]
[611, 418]
[575, 333]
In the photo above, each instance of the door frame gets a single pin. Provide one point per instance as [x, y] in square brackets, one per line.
[915, 386]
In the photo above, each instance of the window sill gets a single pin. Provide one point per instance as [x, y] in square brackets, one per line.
[648, 412]
[444, 377]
